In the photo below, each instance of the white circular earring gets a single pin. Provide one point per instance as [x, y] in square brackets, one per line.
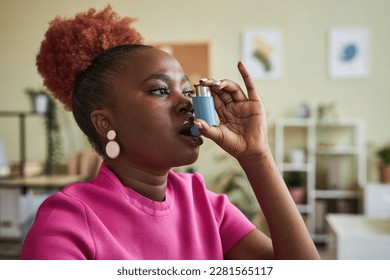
[112, 147]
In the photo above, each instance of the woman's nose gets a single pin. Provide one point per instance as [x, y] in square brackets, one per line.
[184, 106]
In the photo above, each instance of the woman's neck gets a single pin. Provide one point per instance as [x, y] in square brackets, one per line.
[151, 184]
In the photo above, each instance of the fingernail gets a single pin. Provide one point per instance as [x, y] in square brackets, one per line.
[203, 79]
[217, 83]
[198, 124]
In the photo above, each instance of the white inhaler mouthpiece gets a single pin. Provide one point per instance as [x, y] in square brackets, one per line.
[203, 104]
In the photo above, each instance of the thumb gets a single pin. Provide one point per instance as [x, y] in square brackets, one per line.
[211, 132]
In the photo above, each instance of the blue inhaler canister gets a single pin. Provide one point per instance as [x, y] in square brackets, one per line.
[203, 104]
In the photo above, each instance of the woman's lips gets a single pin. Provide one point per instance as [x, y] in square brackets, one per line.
[185, 132]
[192, 140]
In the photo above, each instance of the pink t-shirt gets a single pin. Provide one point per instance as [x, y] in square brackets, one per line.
[102, 219]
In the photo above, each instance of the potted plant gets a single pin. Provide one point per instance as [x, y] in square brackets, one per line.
[52, 126]
[384, 166]
[296, 182]
[236, 186]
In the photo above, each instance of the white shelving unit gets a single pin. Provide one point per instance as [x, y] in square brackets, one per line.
[329, 147]
[285, 128]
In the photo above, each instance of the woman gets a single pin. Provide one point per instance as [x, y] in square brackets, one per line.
[132, 101]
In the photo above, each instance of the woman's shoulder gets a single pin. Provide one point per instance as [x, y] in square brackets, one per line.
[193, 182]
[194, 185]
[67, 196]
[105, 183]
[73, 196]
[186, 177]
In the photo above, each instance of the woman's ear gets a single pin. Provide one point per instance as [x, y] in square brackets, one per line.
[101, 121]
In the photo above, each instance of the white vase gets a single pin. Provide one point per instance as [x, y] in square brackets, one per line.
[297, 156]
[40, 104]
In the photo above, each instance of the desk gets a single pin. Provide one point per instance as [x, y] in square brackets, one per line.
[358, 237]
[20, 198]
[40, 182]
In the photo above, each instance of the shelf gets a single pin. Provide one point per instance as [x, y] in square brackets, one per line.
[291, 167]
[17, 113]
[304, 208]
[338, 150]
[320, 238]
[21, 115]
[344, 122]
[331, 147]
[296, 122]
[338, 194]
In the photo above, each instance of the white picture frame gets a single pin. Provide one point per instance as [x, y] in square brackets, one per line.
[349, 53]
[262, 53]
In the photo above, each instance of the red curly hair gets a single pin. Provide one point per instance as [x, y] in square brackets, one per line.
[70, 45]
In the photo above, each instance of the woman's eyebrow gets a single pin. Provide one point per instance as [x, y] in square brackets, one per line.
[164, 77]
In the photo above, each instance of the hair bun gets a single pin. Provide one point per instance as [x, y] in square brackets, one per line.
[70, 45]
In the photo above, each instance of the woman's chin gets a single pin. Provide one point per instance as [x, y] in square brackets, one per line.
[190, 159]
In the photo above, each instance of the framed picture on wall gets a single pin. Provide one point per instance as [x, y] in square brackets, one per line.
[197, 64]
[348, 53]
[261, 53]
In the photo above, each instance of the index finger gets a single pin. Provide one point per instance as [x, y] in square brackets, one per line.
[249, 84]
[226, 89]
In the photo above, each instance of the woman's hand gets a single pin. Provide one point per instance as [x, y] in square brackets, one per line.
[242, 131]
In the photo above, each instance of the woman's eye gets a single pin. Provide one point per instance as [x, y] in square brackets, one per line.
[162, 91]
[188, 93]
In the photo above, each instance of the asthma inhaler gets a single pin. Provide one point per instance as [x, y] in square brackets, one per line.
[203, 104]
